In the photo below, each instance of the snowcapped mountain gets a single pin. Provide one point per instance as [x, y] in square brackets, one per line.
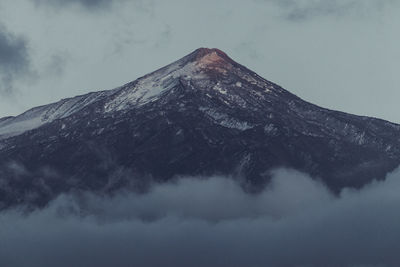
[204, 114]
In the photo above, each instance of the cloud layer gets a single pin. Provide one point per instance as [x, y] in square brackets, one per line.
[211, 222]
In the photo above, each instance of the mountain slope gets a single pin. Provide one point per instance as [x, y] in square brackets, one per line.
[36, 117]
[201, 115]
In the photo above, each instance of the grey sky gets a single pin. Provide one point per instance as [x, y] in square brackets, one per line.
[339, 54]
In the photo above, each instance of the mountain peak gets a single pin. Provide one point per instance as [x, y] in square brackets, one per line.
[212, 59]
[203, 51]
[207, 68]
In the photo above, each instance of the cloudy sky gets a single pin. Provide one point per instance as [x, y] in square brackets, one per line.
[341, 54]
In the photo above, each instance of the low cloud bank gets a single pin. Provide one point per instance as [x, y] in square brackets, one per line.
[296, 221]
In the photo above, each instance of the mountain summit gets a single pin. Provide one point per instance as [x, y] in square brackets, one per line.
[202, 115]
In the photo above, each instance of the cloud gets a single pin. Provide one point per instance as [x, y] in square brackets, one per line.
[56, 64]
[89, 4]
[303, 10]
[14, 60]
[96, 5]
[211, 222]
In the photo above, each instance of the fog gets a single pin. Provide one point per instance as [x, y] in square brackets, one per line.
[210, 221]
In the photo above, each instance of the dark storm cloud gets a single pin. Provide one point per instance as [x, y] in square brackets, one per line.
[14, 60]
[211, 222]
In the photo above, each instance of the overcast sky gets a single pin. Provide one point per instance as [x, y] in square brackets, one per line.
[339, 54]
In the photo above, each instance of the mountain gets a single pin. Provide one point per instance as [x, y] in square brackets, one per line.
[204, 114]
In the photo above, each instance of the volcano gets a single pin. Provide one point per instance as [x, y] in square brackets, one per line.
[202, 115]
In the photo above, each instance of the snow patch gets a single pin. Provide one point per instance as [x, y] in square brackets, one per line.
[225, 120]
[360, 138]
[270, 129]
[218, 88]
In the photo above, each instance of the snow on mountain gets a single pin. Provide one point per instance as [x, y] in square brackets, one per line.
[139, 92]
[152, 85]
[36, 117]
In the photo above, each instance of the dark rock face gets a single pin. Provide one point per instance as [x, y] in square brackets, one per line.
[202, 115]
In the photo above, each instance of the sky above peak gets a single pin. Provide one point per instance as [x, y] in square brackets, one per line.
[338, 54]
